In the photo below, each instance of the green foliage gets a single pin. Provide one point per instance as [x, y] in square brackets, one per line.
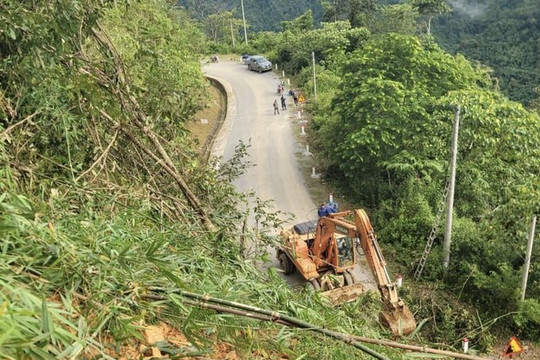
[39, 75]
[499, 141]
[528, 318]
[264, 42]
[357, 12]
[327, 85]
[398, 18]
[221, 26]
[382, 114]
[35, 328]
[114, 263]
[261, 16]
[160, 54]
[430, 7]
[448, 321]
[331, 41]
[405, 222]
[302, 23]
[500, 34]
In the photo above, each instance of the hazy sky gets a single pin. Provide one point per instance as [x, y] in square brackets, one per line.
[473, 10]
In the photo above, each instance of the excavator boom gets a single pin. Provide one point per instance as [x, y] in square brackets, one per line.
[395, 315]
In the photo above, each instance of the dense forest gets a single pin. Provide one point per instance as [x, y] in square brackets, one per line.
[108, 215]
[501, 34]
[261, 16]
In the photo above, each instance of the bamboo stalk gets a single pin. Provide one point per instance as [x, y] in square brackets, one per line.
[416, 348]
[350, 339]
[218, 308]
[131, 106]
[171, 171]
[275, 316]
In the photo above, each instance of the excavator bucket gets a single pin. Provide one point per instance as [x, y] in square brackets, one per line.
[400, 321]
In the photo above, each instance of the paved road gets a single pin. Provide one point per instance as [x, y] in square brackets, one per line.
[276, 175]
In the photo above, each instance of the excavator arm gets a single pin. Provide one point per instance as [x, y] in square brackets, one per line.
[396, 315]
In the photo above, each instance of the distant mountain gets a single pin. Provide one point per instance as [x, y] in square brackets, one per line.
[261, 15]
[503, 34]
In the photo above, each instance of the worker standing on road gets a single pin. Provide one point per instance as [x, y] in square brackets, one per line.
[276, 107]
[283, 102]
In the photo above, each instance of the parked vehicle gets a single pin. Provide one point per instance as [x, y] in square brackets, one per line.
[259, 63]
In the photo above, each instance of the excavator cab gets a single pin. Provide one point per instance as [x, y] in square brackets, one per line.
[345, 251]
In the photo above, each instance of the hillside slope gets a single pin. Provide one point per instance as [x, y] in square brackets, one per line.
[502, 34]
[108, 213]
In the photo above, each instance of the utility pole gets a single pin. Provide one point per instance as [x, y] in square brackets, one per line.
[244, 19]
[528, 258]
[314, 78]
[451, 187]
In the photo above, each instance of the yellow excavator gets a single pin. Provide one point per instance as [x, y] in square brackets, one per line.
[324, 253]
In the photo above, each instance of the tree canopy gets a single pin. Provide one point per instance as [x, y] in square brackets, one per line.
[501, 34]
[382, 132]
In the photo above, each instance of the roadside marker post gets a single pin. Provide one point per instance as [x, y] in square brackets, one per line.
[465, 345]
[399, 280]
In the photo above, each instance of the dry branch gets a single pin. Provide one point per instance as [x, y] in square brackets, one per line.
[139, 119]
[10, 128]
[98, 160]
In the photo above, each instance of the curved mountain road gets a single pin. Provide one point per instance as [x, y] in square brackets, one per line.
[276, 175]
